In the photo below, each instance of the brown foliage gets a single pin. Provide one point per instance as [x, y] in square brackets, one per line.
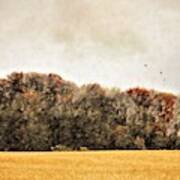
[44, 112]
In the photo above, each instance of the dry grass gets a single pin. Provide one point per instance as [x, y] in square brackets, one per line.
[110, 165]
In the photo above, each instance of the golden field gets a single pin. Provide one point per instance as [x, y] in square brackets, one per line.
[101, 165]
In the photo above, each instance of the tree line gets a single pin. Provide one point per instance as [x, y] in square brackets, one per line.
[42, 112]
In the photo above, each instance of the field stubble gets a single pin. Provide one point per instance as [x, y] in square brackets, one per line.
[100, 165]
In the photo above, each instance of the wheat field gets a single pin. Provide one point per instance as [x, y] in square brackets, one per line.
[101, 165]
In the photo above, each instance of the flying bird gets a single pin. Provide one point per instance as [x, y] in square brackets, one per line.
[145, 65]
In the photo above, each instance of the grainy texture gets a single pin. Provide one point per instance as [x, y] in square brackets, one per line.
[102, 40]
[110, 165]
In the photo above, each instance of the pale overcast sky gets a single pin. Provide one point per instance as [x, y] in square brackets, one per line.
[122, 43]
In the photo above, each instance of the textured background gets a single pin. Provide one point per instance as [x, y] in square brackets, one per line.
[121, 43]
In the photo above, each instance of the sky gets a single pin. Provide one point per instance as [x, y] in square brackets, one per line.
[120, 43]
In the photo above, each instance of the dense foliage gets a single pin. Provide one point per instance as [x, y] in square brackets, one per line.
[45, 112]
